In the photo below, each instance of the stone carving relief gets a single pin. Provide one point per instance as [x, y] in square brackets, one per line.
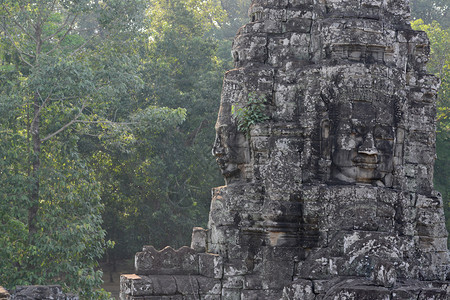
[362, 137]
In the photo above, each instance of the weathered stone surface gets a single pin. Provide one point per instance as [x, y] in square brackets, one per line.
[331, 196]
[198, 241]
[166, 261]
[210, 265]
[4, 295]
[187, 286]
[41, 292]
[299, 289]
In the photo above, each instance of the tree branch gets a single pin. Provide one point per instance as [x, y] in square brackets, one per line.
[65, 126]
[17, 23]
[49, 11]
[43, 103]
[64, 36]
[105, 122]
[21, 53]
[82, 46]
[60, 29]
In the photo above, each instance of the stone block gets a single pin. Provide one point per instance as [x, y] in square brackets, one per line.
[405, 293]
[209, 286]
[428, 202]
[231, 294]
[384, 274]
[211, 297]
[235, 267]
[432, 244]
[210, 265]
[41, 292]
[277, 274]
[163, 284]
[166, 261]
[250, 48]
[300, 3]
[187, 285]
[272, 26]
[429, 216]
[253, 282]
[198, 240]
[261, 294]
[173, 297]
[299, 289]
[297, 25]
[233, 282]
[433, 294]
[435, 230]
[141, 285]
[360, 293]
[132, 284]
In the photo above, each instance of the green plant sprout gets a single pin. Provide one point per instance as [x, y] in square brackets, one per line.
[252, 113]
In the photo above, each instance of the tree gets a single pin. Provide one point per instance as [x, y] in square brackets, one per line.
[158, 186]
[432, 10]
[237, 16]
[64, 74]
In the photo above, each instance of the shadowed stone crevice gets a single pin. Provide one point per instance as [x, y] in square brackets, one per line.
[331, 196]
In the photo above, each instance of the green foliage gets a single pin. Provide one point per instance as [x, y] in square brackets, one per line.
[432, 10]
[237, 16]
[59, 83]
[156, 176]
[252, 113]
[439, 65]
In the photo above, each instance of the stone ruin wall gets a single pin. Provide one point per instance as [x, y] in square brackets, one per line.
[332, 197]
[37, 292]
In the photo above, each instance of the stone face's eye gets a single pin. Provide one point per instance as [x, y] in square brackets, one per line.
[358, 127]
[360, 130]
[383, 133]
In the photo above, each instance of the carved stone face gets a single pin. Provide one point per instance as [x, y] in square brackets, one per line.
[363, 144]
[225, 151]
[230, 148]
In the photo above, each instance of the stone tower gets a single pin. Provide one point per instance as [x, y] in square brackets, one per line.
[330, 195]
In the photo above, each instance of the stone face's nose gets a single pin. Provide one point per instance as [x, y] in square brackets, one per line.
[368, 146]
[217, 149]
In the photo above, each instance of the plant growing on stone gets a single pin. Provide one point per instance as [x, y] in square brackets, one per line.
[252, 113]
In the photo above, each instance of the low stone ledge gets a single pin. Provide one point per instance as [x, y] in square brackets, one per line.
[184, 261]
[132, 285]
[43, 292]
[175, 297]
[167, 261]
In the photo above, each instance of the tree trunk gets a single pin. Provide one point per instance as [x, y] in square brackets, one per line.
[36, 164]
[36, 141]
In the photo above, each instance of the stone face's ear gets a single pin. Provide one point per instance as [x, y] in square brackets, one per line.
[325, 145]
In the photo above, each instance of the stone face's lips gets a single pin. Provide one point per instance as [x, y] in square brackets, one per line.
[366, 159]
[366, 165]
